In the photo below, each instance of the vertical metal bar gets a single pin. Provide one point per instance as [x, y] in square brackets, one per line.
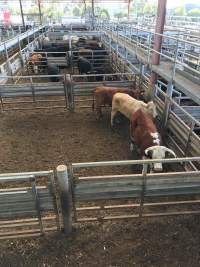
[92, 60]
[37, 204]
[20, 51]
[65, 197]
[143, 189]
[70, 51]
[1, 99]
[189, 135]
[56, 202]
[32, 89]
[65, 91]
[160, 21]
[8, 60]
[175, 60]
[72, 179]
[93, 14]
[39, 7]
[149, 47]
[141, 75]
[22, 13]
[129, 5]
[166, 113]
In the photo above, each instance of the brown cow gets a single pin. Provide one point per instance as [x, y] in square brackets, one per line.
[104, 95]
[145, 135]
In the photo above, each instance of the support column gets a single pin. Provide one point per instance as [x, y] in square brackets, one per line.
[93, 14]
[160, 22]
[39, 7]
[65, 197]
[22, 13]
[129, 4]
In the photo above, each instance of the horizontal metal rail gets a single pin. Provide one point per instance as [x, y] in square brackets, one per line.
[132, 162]
[30, 210]
[14, 41]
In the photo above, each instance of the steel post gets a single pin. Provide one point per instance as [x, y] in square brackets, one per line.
[65, 197]
[160, 21]
[22, 13]
[39, 7]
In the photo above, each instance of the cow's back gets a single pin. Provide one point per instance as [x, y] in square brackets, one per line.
[105, 94]
[126, 104]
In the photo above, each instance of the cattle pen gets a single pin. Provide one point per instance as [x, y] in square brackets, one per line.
[66, 176]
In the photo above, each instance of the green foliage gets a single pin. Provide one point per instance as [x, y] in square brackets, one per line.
[87, 11]
[195, 12]
[14, 10]
[104, 13]
[179, 11]
[76, 11]
[149, 8]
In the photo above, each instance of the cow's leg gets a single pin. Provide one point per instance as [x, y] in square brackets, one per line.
[99, 114]
[113, 113]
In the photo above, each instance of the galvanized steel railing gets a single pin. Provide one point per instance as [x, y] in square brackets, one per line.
[14, 41]
[141, 41]
[28, 204]
[134, 195]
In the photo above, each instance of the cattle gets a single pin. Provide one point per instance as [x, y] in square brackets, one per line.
[127, 105]
[104, 95]
[145, 136]
[35, 62]
[52, 69]
[92, 44]
[84, 65]
[84, 52]
[87, 43]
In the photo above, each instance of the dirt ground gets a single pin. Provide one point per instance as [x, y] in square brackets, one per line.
[41, 140]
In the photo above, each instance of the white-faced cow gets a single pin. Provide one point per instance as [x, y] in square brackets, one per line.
[145, 136]
[127, 105]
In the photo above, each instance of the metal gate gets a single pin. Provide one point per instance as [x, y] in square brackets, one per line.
[29, 205]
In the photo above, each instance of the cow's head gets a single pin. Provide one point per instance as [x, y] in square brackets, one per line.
[158, 152]
[151, 109]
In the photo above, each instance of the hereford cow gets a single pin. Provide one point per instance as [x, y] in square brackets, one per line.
[127, 105]
[145, 136]
[103, 96]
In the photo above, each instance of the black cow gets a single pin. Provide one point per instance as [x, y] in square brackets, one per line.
[52, 69]
[84, 65]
